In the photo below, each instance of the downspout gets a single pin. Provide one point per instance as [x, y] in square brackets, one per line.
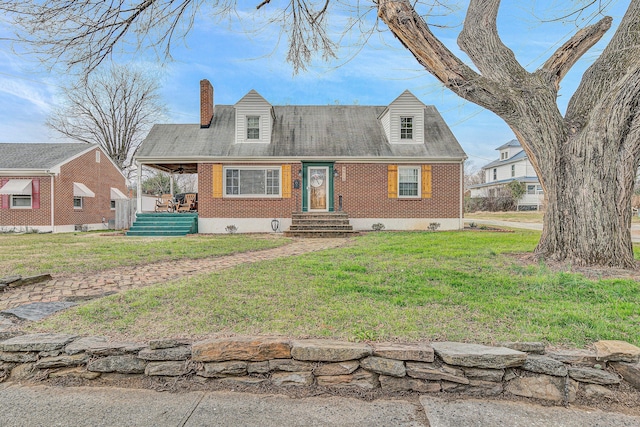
[139, 189]
[461, 225]
[53, 205]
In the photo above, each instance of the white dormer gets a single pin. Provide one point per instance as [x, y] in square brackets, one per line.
[403, 120]
[254, 119]
[509, 149]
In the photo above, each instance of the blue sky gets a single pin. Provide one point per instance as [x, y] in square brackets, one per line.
[236, 61]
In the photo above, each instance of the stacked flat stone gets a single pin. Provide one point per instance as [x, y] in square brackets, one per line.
[522, 369]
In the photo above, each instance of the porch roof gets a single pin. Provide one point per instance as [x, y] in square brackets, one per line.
[299, 132]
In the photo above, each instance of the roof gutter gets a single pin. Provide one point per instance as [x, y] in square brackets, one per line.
[209, 159]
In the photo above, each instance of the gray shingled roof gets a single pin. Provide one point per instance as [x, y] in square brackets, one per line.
[301, 132]
[518, 156]
[512, 143]
[38, 156]
[524, 179]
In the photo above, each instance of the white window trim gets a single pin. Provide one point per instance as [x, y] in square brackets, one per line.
[513, 170]
[112, 201]
[413, 128]
[11, 206]
[251, 196]
[81, 202]
[247, 127]
[419, 195]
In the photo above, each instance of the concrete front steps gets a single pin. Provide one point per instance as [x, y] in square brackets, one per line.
[320, 224]
[164, 224]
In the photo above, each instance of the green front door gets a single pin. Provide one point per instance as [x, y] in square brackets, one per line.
[317, 187]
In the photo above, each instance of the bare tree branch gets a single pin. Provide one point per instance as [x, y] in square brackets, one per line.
[618, 58]
[114, 109]
[559, 64]
[480, 35]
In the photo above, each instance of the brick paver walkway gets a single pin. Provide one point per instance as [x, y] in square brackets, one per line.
[81, 286]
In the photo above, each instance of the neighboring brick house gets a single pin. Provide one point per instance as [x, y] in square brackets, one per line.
[398, 165]
[513, 165]
[56, 187]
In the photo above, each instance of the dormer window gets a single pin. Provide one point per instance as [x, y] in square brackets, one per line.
[406, 127]
[504, 155]
[253, 127]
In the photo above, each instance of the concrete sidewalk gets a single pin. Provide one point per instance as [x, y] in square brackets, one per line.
[46, 406]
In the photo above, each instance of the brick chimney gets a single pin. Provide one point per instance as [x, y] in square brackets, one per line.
[206, 103]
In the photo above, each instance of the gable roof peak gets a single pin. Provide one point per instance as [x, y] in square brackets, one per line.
[405, 94]
[254, 96]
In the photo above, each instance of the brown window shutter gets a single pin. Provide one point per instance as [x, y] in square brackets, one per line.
[392, 171]
[426, 181]
[217, 181]
[286, 181]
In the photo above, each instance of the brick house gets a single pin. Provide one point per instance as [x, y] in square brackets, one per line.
[398, 165]
[56, 187]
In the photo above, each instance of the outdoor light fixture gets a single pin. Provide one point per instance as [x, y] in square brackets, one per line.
[335, 173]
[300, 172]
[275, 224]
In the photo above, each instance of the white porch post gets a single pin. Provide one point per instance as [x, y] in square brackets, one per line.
[171, 183]
[139, 189]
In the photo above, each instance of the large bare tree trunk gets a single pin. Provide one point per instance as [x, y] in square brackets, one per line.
[587, 159]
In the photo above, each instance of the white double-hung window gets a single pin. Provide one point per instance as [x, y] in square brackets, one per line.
[252, 181]
[406, 127]
[408, 181]
[253, 127]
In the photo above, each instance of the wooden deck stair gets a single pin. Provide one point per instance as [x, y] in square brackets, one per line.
[320, 224]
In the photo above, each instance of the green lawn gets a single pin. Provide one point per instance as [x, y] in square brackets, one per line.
[28, 254]
[462, 286]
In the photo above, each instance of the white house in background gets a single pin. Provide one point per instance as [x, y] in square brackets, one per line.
[513, 165]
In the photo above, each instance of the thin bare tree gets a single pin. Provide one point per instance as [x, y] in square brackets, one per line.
[113, 108]
[586, 159]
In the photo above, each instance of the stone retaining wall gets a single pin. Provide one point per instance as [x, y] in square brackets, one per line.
[522, 369]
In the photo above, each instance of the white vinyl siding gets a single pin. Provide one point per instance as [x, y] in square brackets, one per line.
[251, 107]
[406, 105]
[252, 181]
[517, 169]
